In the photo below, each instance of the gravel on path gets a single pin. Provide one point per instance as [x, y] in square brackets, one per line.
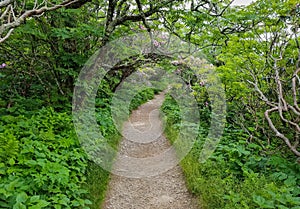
[143, 138]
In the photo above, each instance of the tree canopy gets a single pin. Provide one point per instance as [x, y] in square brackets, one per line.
[254, 49]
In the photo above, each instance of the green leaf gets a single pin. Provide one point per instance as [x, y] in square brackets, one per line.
[19, 205]
[4, 204]
[35, 198]
[291, 181]
[281, 207]
[86, 201]
[21, 197]
[42, 204]
[11, 161]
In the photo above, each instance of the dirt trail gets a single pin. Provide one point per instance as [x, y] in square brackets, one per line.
[143, 138]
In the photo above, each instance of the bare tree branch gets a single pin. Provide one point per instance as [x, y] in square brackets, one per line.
[294, 89]
[283, 111]
[13, 15]
[293, 148]
[115, 18]
[5, 3]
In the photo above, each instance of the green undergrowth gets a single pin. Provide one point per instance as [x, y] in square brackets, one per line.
[239, 174]
[42, 164]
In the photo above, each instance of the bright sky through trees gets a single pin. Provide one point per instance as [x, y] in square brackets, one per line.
[242, 2]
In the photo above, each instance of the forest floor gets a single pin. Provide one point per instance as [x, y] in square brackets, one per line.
[143, 185]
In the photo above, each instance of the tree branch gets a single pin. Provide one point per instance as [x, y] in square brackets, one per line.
[293, 148]
[13, 20]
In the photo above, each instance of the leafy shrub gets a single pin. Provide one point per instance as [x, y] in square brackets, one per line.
[240, 174]
[41, 164]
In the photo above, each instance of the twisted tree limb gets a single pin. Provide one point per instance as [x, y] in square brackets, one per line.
[282, 106]
[12, 14]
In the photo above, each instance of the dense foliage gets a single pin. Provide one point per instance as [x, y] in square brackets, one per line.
[42, 163]
[255, 50]
[240, 174]
[256, 53]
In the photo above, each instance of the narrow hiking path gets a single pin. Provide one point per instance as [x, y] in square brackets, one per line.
[163, 191]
